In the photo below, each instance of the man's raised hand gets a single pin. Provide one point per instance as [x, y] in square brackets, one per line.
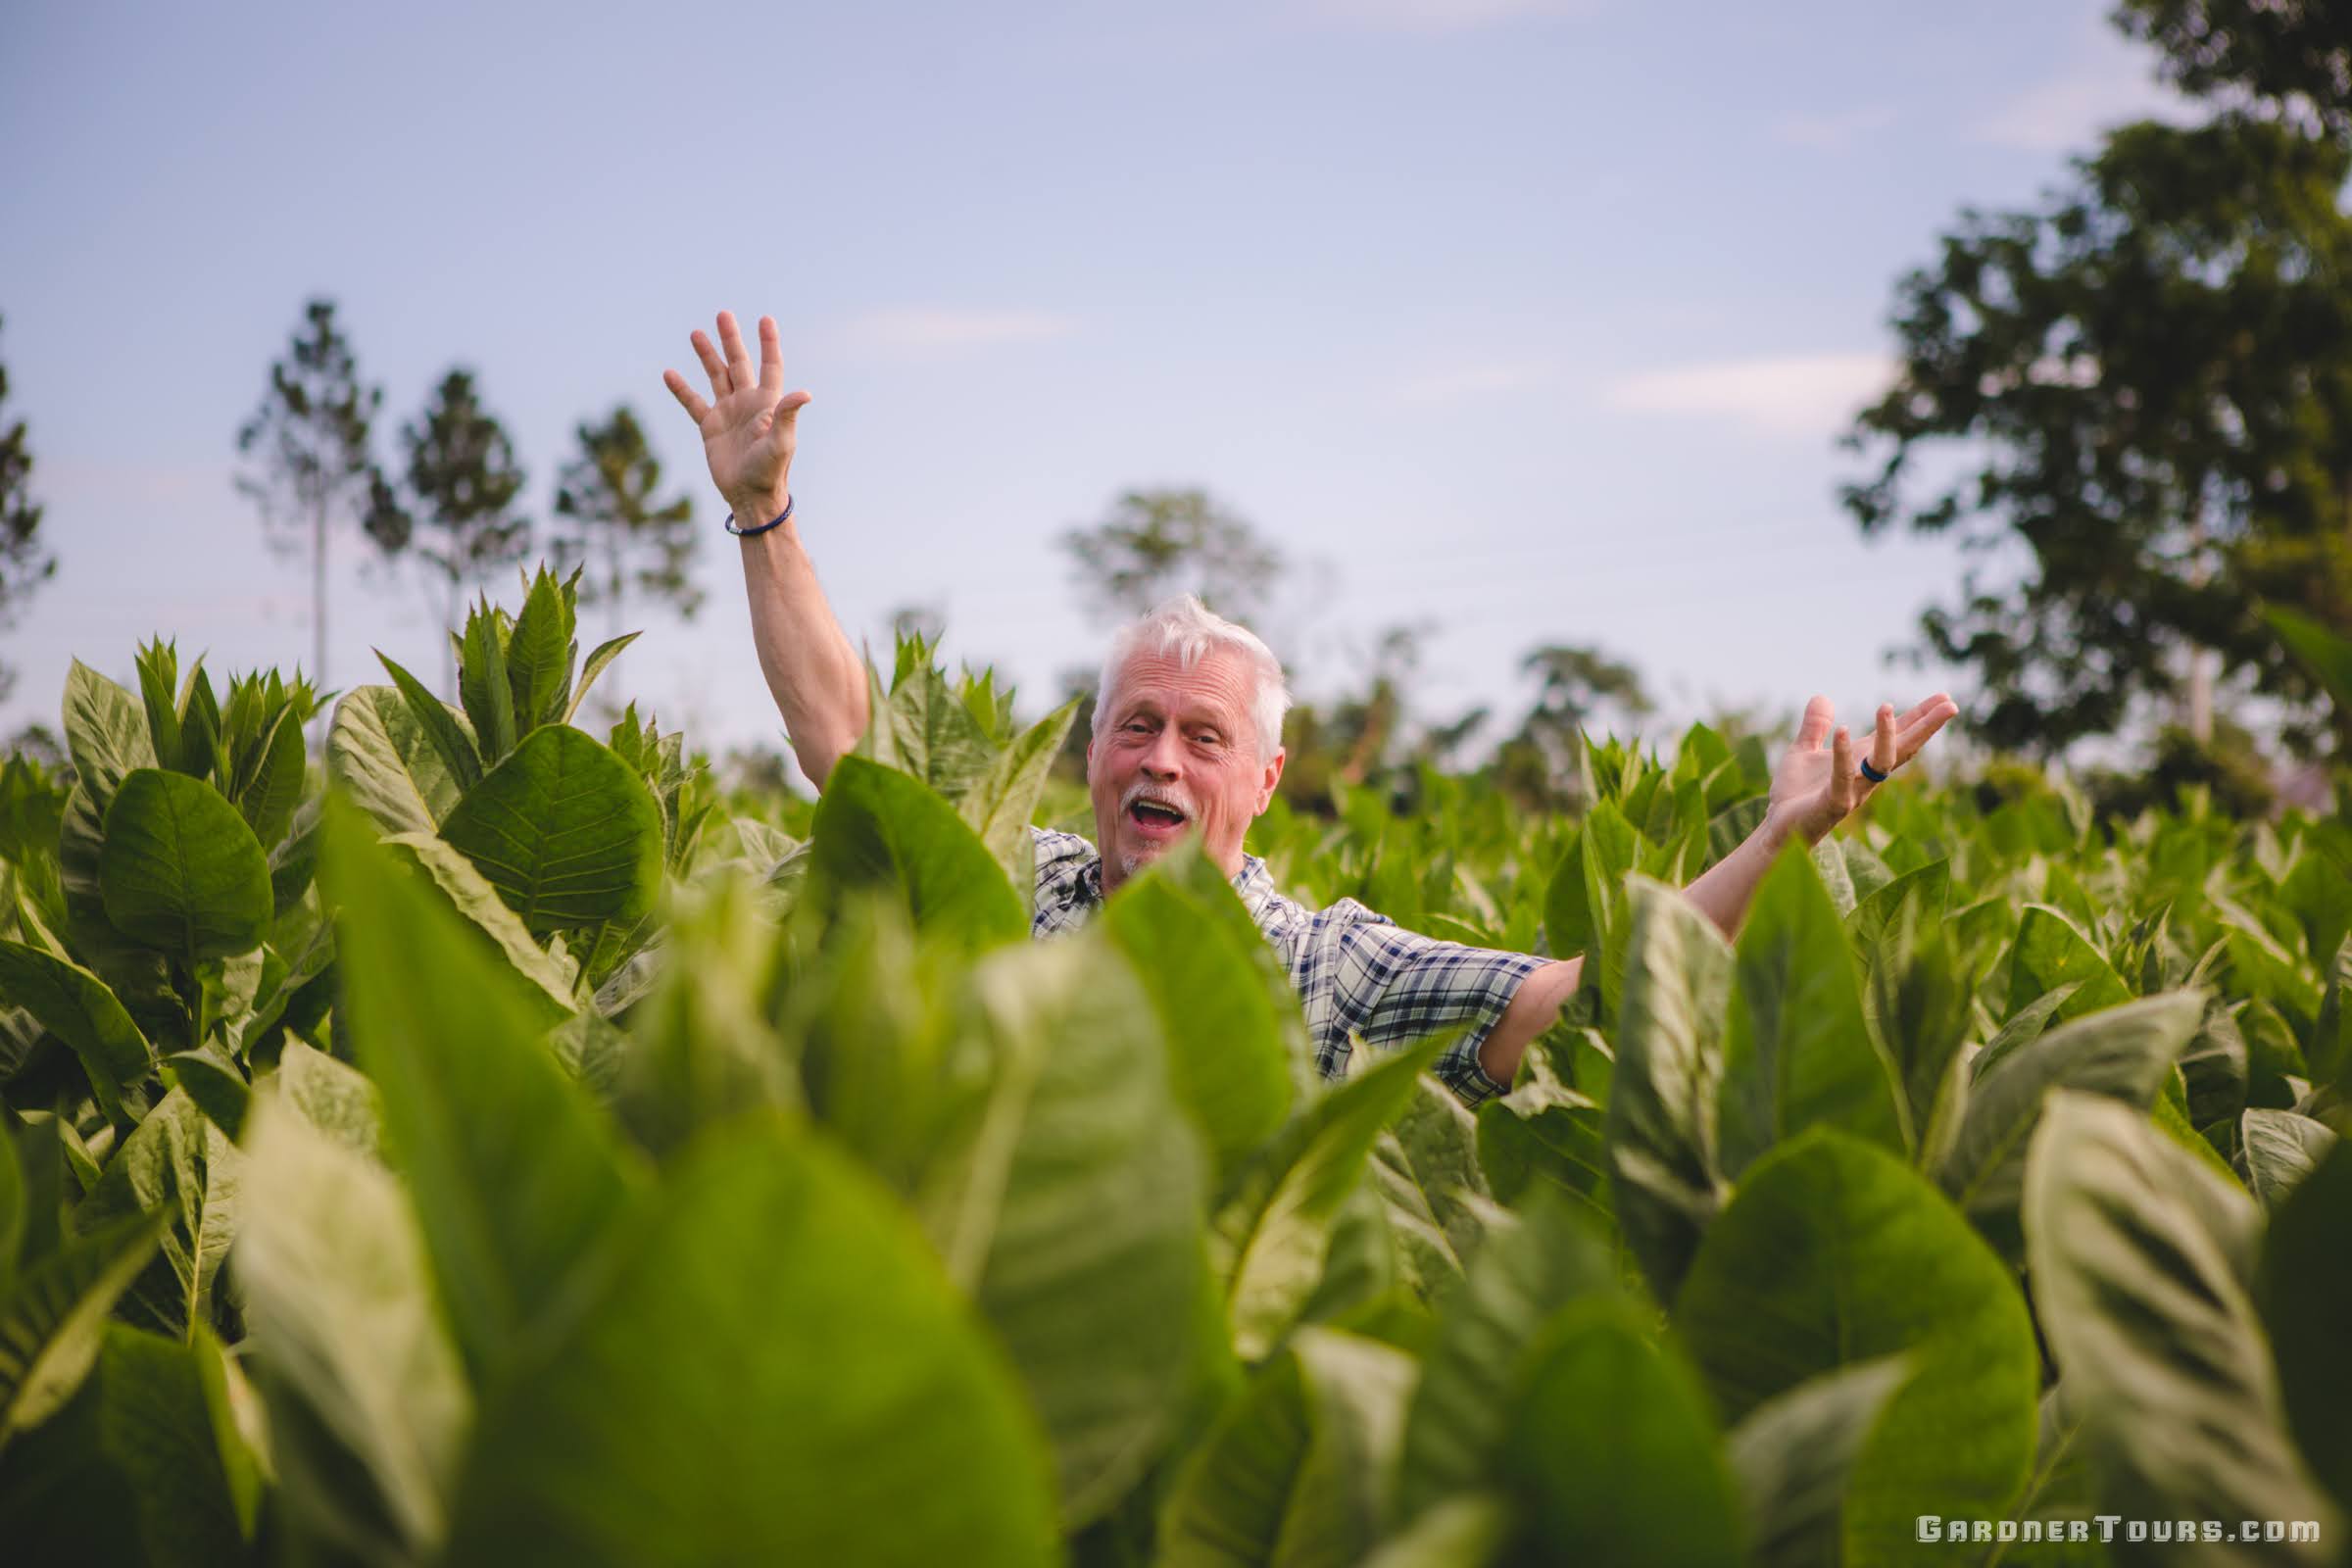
[1820, 778]
[749, 424]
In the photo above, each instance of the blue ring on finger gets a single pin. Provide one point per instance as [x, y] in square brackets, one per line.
[1871, 773]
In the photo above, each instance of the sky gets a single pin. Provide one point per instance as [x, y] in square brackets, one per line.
[1520, 322]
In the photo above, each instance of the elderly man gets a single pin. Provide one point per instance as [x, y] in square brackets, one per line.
[1188, 739]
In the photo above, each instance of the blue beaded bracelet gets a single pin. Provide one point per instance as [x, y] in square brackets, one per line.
[752, 533]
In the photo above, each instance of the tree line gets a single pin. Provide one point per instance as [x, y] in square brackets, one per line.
[449, 502]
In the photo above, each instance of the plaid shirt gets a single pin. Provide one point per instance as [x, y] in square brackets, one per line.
[1356, 973]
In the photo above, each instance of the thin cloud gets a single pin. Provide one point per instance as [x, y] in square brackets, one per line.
[1468, 382]
[923, 327]
[1832, 132]
[1445, 16]
[1788, 395]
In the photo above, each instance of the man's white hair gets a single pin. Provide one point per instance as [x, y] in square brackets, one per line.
[1187, 630]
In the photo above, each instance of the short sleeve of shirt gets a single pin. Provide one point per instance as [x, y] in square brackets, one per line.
[1363, 977]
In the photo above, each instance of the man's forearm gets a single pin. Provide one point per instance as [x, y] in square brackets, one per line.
[1724, 891]
[817, 679]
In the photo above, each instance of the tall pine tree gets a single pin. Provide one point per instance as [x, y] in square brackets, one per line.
[308, 445]
[631, 544]
[25, 563]
[455, 504]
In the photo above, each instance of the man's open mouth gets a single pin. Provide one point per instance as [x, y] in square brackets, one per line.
[1156, 815]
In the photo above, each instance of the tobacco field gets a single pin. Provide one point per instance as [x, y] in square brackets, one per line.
[476, 1140]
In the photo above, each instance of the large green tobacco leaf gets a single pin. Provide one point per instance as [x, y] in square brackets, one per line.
[1545, 1132]
[1295, 1474]
[1069, 1208]
[1228, 1029]
[1585, 909]
[539, 655]
[1921, 895]
[1662, 1094]
[702, 1046]
[381, 756]
[178, 1162]
[922, 728]
[268, 800]
[179, 870]
[2306, 1280]
[1463, 1532]
[1273, 1237]
[14, 1198]
[143, 1465]
[1794, 1454]
[878, 826]
[335, 1098]
[1833, 1252]
[483, 689]
[79, 1008]
[515, 1173]
[1461, 1404]
[2123, 1053]
[470, 894]
[599, 657]
[2049, 953]
[566, 832]
[1919, 1006]
[1003, 797]
[773, 1371]
[1797, 1054]
[367, 1402]
[1612, 1449]
[106, 732]
[165, 1423]
[2138, 1286]
[52, 1317]
[2276, 1149]
[447, 731]
[1435, 1145]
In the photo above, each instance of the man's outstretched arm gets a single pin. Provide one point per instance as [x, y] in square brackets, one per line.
[1817, 784]
[749, 429]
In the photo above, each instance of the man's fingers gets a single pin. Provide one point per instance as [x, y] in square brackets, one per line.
[714, 367]
[739, 357]
[694, 405]
[1917, 733]
[1883, 740]
[786, 412]
[771, 357]
[1842, 769]
[1820, 715]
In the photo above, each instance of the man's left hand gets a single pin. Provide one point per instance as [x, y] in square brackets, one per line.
[1820, 779]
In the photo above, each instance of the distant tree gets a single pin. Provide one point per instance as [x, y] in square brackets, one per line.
[2293, 56]
[455, 504]
[1575, 685]
[25, 563]
[2147, 380]
[1153, 544]
[308, 443]
[2157, 371]
[632, 544]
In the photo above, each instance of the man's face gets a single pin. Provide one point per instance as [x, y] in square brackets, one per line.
[1176, 753]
